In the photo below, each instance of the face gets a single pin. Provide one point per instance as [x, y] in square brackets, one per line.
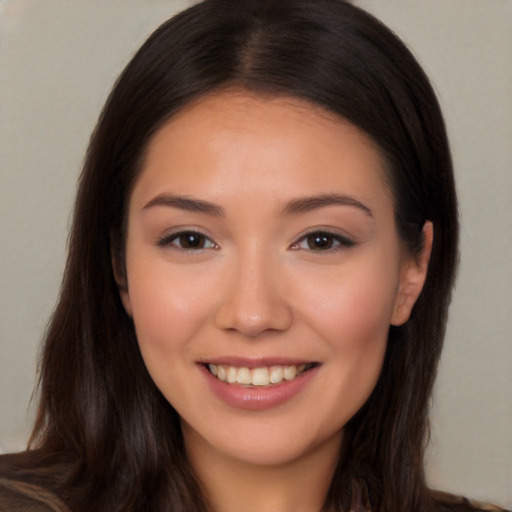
[263, 272]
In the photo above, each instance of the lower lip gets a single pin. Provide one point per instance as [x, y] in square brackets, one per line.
[257, 398]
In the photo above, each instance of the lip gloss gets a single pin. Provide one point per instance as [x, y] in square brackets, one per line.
[257, 398]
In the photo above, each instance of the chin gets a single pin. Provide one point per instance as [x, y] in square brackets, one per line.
[270, 443]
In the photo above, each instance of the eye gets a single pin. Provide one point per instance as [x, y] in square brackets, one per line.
[188, 240]
[323, 241]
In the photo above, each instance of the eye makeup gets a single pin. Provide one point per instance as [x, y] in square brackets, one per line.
[187, 240]
[322, 240]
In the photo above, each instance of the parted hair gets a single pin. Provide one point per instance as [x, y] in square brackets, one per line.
[100, 415]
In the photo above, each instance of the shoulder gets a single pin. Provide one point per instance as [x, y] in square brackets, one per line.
[23, 488]
[451, 503]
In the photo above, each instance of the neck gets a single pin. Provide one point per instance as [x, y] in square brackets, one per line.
[232, 485]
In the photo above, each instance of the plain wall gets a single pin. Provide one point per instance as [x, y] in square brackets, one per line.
[58, 61]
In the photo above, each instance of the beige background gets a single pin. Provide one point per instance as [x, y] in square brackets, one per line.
[58, 61]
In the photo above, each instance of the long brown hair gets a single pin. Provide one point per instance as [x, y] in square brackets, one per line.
[99, 410]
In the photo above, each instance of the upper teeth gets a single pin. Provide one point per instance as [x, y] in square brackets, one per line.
[262, 376]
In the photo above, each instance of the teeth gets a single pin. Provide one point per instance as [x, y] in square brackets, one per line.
[262, 376]
[231, 374]
[276, 374]
[290, 372]
[221, 372]
[244, 376]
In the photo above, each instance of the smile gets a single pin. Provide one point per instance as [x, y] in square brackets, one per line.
[257, 377]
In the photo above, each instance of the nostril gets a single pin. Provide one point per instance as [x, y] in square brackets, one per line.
[254, 318]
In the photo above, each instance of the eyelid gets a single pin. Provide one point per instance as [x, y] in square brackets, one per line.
[167, 239]
[344, 241]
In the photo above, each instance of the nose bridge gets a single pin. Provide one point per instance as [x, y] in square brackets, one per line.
[255, 301]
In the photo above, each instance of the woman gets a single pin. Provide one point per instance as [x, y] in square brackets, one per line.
[260, 266]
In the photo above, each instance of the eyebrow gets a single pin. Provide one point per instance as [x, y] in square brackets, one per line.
[299, 205]
[306, 204]
[186, 203]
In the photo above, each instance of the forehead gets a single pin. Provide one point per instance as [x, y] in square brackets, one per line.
[260, 144]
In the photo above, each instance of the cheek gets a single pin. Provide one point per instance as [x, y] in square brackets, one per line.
[351, 314]
[358, 342]
[359, 337]
[167, 306]
[353, 308]
[168, 310]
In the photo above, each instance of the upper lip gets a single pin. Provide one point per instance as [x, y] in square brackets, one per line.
[255, 362]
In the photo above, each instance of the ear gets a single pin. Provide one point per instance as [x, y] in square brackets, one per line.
[412, 279]
[119, 270]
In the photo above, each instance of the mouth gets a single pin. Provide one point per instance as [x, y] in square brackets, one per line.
[259, 377]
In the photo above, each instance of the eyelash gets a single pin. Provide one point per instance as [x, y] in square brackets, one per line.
[168, 240]
[340, 242]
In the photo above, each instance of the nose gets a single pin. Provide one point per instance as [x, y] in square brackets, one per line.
[254, 299]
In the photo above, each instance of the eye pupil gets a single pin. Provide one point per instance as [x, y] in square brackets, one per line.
[320, 241]
[192, 240]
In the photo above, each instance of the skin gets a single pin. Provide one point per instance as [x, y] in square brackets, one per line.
[257, 286]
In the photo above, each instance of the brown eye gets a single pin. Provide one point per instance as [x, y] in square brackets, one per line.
[187, 240]
[191, 240]
[320, 241]
[323, 241]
